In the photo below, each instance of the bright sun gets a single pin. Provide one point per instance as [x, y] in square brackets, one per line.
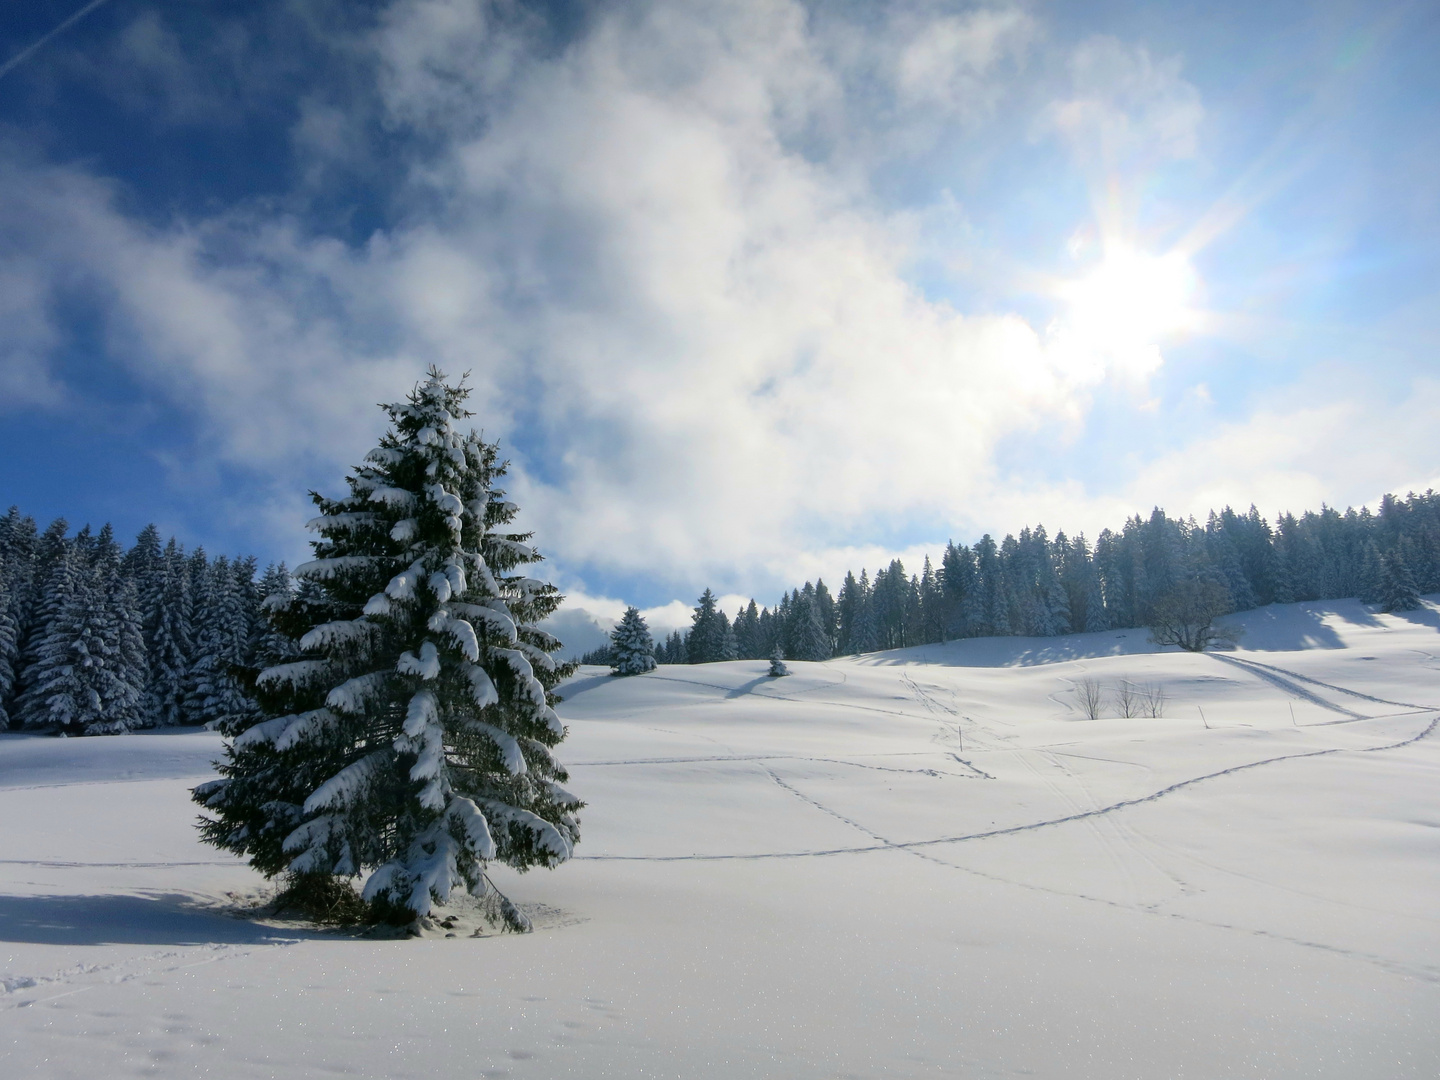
[1129, 303]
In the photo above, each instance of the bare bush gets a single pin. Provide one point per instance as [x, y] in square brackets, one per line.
[1185, 616]
[1152, 700]
[1127, 699]
[1090, 695]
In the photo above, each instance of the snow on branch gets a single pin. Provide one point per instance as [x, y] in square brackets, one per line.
[427, 666]
[346, 784]
[385, 455]
[547, 837]
[352, 695]
[393, 496]
[296, 674]
[325, 569]
[348, 522]
[537, 656]
[422, 711]
[496, 620]
[482, 689]
[472, 823]
[530, 687]
[402, 585]
[328, 635]
[520, 552]
[510, 752]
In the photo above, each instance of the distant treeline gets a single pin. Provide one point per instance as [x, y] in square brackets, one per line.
[96, 639]
[1036, 586]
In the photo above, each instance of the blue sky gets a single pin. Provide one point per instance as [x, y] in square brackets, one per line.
[749, 291]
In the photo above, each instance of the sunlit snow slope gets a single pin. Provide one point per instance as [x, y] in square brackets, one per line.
[922, 863]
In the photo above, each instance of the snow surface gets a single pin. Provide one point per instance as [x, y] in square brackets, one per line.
[919, 863]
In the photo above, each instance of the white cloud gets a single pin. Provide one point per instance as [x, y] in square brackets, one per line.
[1127, 110]
[697, 328]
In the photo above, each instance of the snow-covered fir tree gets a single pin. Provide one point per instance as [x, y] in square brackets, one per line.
[9, 642]
[632, 650]
[269, 645]
[413, 738]
[170, 646]
[85, 677]
[1397, 587]
[810, 640]
[777, 664]
[711, 638]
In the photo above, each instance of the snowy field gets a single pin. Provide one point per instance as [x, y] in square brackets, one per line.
[924, 863]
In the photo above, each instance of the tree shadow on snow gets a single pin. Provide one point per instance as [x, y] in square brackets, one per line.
[152, 919]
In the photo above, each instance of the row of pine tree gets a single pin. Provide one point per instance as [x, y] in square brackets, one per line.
[97, 639]
[1032, 585]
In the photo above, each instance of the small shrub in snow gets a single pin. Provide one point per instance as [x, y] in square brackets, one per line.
[1090, 696]
[777, 664]
[410, 738]
[1152, 700]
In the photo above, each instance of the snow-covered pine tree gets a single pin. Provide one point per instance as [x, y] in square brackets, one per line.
[226, 705]
[84, 678]
[811, 641]
[204, 641]
[9, 639]
[1397, 592]
[711, 638]
[169, 645]
[676, 650]
[777, 664]
[413, 738]
[210, 583]
[632, 650]
[133, 668]
[269, 645]
[121, 643]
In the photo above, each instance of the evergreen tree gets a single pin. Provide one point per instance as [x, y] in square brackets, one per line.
[82, 680]
[268, 645]
[675, 650]
[413, 738]
[847, 611]
[825, 611]
[748, 633]
[1398, 592]
[778, 670]
[865, 637]
[632, 651]
[169, 647]
[125, 709]
[711, 638]
[1371, 578]
[9, 640]
[811, 641]
[44, 594]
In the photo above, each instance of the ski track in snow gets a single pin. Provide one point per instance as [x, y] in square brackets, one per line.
[1028, 827]
[1246, 661]
[1421, 972]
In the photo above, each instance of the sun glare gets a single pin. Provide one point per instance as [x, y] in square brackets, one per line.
[1131, 302]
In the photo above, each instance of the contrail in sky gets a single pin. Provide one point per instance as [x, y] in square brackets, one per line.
[23, 54]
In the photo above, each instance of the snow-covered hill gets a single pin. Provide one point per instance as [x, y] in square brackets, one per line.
[919, 863]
